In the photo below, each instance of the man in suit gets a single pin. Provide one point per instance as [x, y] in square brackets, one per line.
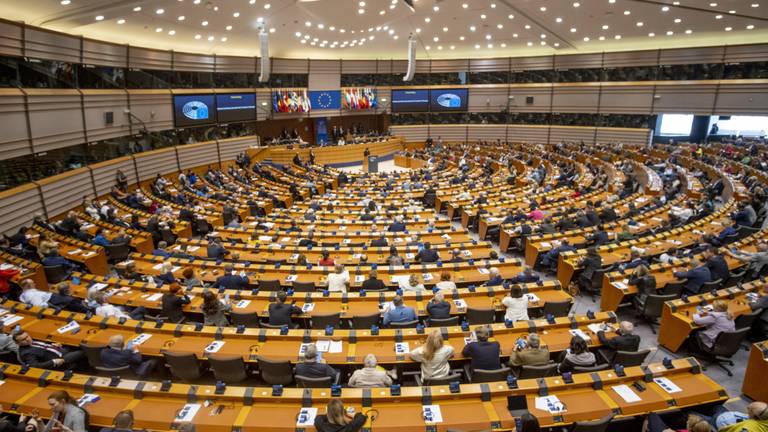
[599, 237]
[312, 368]
[160, 250]
[115, 355]
[427, 255]
[527, 276]
[529, 352]
[280, 313]
[624, 340]
[45, 355]
[697, 276]
[309, 241]
[185, 214]
[380, 242]
[398, 225]
[367, 216]
[716, 264]
[373, 283]
[216, 250]
[53, 259]
[231, 281]
[484, 354]
[608, 214]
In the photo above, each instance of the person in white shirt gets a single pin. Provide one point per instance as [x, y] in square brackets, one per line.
[370, 375]
[445, 281]
[107, 310]
[516, 304]
[338, 280]
[412, 284]
[33, 296]
[433, 356]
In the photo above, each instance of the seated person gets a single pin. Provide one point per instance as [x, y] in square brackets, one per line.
[99, 239]
[693, 423]
[280, 313]
[696, 277]
[718, 267]
[577, 355]
[116, 355]
[412, 284]
[494, 277]
[373, 283]
[338, 281]
[527, 276]
[161, 250]
[398, 312]
[529, 353]
[53, 259]
[229, 280]
[173, 304]
[312, 368]
[433, 356]
[516, 304]
[438, 308]
[107, 310]
[380, 241]
[483, 354]
[645, 282]
[336, 419]
[624, 340]
[756, 419]
[326, 260]
[166, 273]
[370, 375]
[62, 298]
[591, 263]
[549, 259]
[397, 225]
[216, 250]
[715, 322]
[45, 355]
[427, 255]
[33, 296]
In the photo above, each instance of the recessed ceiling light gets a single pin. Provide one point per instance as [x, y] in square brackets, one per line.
[211, 38]
[158, 30]
[639, 24]
[510, 16]
[490, 45]
[439, 47]
[728, 28]
[718, 17]
[464, 5]
[229, 27]
[576, 4]
[236, 14]
[65, 2]
[557, 44]
[121, 21]
[586, 39]
[418, 30]
[224, 39]
[651, 34]
[181, 18]
[361, 11]
[461, 38]
[514, 35]
[160, 11]
[617, 37]
[472, 28]
[626, 12]
[197, 36]
[483, 16]
[427, 19]
[573, 29]
[493, 5]
[99, 17]
[308, 24]
[670, 33]
[452, 47]
[171, 32]
[750, 27]
[543, 36]
[731, 11]
[267, 6]
[527, 26]
[361, 4]
[665, 9]
[755, 5]
[678, 20]
[688, 31]
[530, 44]
[477, 46]
[435, 39]
[445, 29]
[605, 26]
[382, 12]
[436, 8]
[558, 19]
[602, 38]
[204, 23]
[499, 26]
[488, 37]
[713, 4]
[321, 26]
[260, 19]
[543, 8]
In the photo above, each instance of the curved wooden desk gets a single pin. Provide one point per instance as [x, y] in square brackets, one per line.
[336, 154]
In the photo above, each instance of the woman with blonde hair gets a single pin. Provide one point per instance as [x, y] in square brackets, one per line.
[412, 284]
[715, 322]
[337, 419]
[433, 356]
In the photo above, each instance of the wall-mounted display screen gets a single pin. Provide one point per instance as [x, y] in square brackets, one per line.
[448, 99]
[675, 124]
[410, 100]
[748, 126]
[236, 107]
[194, 110]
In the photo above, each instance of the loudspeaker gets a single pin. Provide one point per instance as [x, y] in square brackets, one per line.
[411, 59]
[529, 100]
[265, 62]
[109, 117]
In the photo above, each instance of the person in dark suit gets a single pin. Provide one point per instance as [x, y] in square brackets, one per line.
[185, 214]
[599, 237]
[63, 299]
[172, 304]
[312, 368]
[397, 225]
[716, 264]
[427, 255]
[483, 354]
[231, 281]
[367, 216]
[53, 259]
[116, 355]
[216, 250]
[608, 214]
[624, 340]
[45, 355]
[527, 276]
[381, 241]
[645, 282]
[280, 313]
[309, 241]
[697, 276]
[438, 308]
[160, 250]
[591, 263]
[373, 283]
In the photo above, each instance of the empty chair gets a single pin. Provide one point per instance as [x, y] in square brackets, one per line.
[444, 322]
[630, 358]
[329, 244]
[558, 309]
[710, 286]
[485, 375]
[734, 279]
[117, 252]
[325, 320]
[355, 245]
[183, 366]
[480, 316]
[596, 284]
[275, 372]
[230, 369]
[674, 288]
[274, 326]
[167, 236]
[275, 261]
[595, 368]
[725, 346]
[404, 324]
[746, 320]
[303, 286]
[201, 226]
[55, 274]
[247, 319]
[365, 321]
[651, 309]
[745, 231]
[527, 371]
[269, 285]
[307, 382]
[600, 425]
[438, 381]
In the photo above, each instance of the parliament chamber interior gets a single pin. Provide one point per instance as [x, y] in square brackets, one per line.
[442, 215]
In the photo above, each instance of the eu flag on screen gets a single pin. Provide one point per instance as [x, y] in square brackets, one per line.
[325, 99]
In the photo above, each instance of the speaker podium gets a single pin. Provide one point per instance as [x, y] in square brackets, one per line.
[371, 164]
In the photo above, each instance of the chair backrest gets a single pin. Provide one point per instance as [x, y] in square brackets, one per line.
[596, 368]
[248, 319]
[93, 353]
[365, 321]
[269, 285]
[444, 322]
[673, 288]
[593, 426]
[183, 366]
[558, 309]
[597, 277]
[709, 286]
[270, 326]
[307, 382]
[537, 371]
[442, 381]
[728, 343]
[485, 375]
[630, 358]
[654, 304]
[230, 369]
[734, 278]
[404, 324]
[168, 236]
[746, 320]
[202, 226]
[480, 316]
[275, 372]
[325, 320]
[303, 286]
[118, 252]
[329, 244]
[55, 274]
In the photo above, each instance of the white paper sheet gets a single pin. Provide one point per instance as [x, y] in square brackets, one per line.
[626, 393]
[580, 333]
[402, 348]
[427, 277]
[306, 417]
[323, 345]
[483, 270]
[667, 385]
[550, 404]
[532, 298]
[432, 413]
[214, 347]
[291, 278]
[71, 326]
[303, 349]
[359, 278]
[87, 398]
[11, 319]
[140, 339]
[187, 413]
[596, 327]
[336, 347]
[460, 304]
[242, 304]
[6, 266]
[155, 297]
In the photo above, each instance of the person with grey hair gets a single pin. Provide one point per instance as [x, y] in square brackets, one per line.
[312, 368]
[438, 308]
[117, 355]
[529, 352]
[370, 375]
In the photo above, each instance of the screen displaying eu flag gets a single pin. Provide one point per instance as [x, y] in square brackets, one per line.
[325, 99]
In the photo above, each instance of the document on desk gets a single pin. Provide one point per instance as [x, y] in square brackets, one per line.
[214, 347]
[667, 385]
[6, 266]
[242, 304]
[71, 326]
[156, 266]
[545, 244]
[626, 393]
[266, 238]
[595, 327]
[336, 347]
[100, 286]
[87, 398]
[432, 413]
[303, 349]
[11, 319]
[400, 278]
[323, 345]
[427, 277]
[359, 278]
[621, 284]
[483, 270]
[410, 256]
[306, 417]
[580, 333]
[155, 297]
[140, 339]
[532, 298]
[402, 348]
[291, 278]
[550, 404]
[460, 304]
[77, 251]
[187, 413]
[307, 307]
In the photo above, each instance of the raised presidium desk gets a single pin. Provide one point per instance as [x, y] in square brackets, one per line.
[476, 406]
[337, 154]
[757, 370]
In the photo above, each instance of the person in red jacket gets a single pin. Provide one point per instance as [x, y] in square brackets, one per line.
[6, 274]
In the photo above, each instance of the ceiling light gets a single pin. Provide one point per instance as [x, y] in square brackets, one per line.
[204, 23]
[229, 27]
[461, 38]
[493, 5]
[510, 16]
[427, 19]
[158, 30]
[605, 26]
[382, 12]
[435, 39]
[488, 37]
[361, 4]
[755, 5]
[65, 2]
[361, 11]
[670, 33]
[527, 26]
[576, 4]
[99, 17]
[453, 47]
[728, 28]
[617, 37]
[530, 44]
[445, 29]
[558, 19]
[689, 31]
[308, 24]
[418, 30]
[137, 9]
[436, 8]
[499, 26]
[171, 32]
[472, 28]
[543, 36]
[718, 17]
[573, 29]
[483, 16]
[160, 11]
[626, 12]
[665, 9]
[543, 8]
[236, 14]
[121, 21]
[557, 44]
[197, 36]
[602, 38]
[731, 11]
[713, 4]
[477, 46]
[490, 45]
[678, 20]
[639, 24]
[181, 18]
[464, 5]
[651, 34]
[514, 35]
[750, 27]
[211, 38]
[586, 39]
[321, 26]
[267, 6]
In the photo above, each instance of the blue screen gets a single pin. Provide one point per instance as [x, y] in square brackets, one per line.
[448, 99]
[236, 107]
[194, 110]
[410, 100]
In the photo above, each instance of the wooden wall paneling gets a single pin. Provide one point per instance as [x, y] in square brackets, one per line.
[527, 133]
[153, 107]
[746, 53]
[290, 66]
[233, 64]
[11, 38]
[145, 58]
[14, 135]
[104, 173]
[742, 97]
[571, 134]
[623, 135]
[449, 133]
[154, 162]
[263, 111]
[96, 103]
[488, 99]
[398, 67]
[489, 65]
[65, 191]
[359, 66]
[541, 93]
[56, 118]
[417, 133]
[620, 98]
[697, 55]
[18, 206]
[324, 74]
[579, 61]
[200, 154]
[193, 62]
[581, 98]
[229, 148]
[631, 58]
[47, 44]
[487, 132]
[679, 97]
[451, 65]
[104, 53]
[532, 63]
